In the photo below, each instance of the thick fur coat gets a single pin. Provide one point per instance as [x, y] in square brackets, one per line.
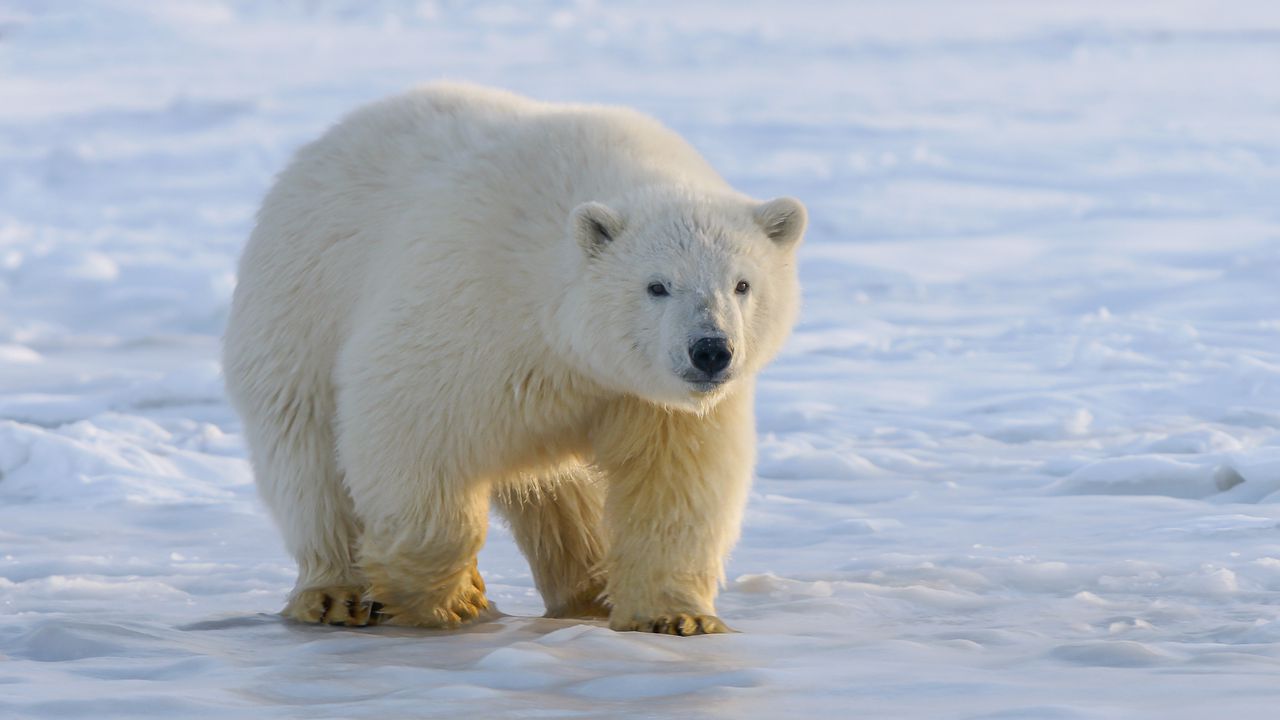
[459, 297]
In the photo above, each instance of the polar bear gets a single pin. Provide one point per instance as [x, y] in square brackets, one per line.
[461, 296]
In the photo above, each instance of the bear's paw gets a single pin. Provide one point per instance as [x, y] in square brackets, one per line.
[337, 605]
[682, 624]
[466, 603]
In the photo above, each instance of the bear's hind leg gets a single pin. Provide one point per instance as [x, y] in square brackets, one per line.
[557, 525]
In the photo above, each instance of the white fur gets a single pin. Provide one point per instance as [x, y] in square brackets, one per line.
[445, 300]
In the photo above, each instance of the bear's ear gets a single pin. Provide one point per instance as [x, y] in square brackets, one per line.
[595, 225]
[783, 220]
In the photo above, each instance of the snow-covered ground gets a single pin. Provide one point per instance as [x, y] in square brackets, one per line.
[1020, 460]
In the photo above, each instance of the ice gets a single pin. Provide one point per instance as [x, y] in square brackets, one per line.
[1021, 458]
[1116, 653]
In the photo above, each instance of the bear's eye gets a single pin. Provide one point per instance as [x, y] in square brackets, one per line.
[743, 287]
[657, 289]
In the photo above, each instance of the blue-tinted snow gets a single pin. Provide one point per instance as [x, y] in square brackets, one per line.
[1021, 459]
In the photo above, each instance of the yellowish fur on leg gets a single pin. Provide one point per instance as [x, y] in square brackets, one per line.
[410, 598]
[421, 562]
[677, 485]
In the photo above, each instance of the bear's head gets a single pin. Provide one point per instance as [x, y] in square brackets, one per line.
[680, 295]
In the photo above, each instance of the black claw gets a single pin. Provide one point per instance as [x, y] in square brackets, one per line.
[327, 605]
[356, 616]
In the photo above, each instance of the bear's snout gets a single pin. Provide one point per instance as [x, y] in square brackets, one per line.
[710, 355]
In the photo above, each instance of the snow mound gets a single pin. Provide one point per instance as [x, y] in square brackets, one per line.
[1249, 478]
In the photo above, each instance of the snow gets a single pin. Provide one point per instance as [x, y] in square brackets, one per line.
[1020, 460]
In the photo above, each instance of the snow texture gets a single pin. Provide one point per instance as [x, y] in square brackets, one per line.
[1020, 460]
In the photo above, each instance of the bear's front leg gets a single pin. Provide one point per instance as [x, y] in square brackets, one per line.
[677, 486]
[418, 551]
[421, 564]
[424, 521]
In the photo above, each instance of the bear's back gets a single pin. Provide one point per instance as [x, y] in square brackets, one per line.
[442, 183]
[473, 176]
[442, 135]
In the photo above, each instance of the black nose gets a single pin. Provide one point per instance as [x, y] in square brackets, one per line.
[710, 354]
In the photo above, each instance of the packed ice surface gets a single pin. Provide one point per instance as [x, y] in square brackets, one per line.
[1020, 460]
